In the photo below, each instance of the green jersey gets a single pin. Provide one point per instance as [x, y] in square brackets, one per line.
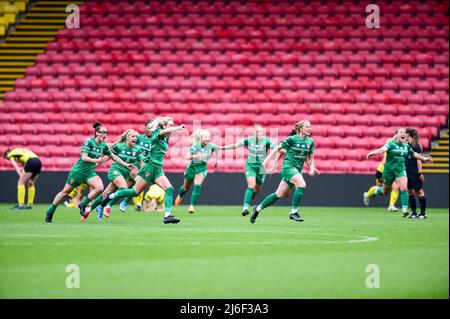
[206, 151]
[159, 147]
[127, 154]
[257, 149]
[94, 151]
[145, 145]
[297, 149]
[395, 156]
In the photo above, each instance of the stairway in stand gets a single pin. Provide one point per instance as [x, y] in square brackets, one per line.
[440, 157]
[28, 37]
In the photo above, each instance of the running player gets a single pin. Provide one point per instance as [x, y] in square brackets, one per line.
[93, 152]
[144, 144]
[299, 149]
[199, 154]
[152, 170]
[415, 176]
[258, 146]
[31, 168]
[396, 150]
[379, 182]
[118, 175]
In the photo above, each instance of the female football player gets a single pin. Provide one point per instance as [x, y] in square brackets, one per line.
[396, 150]
[199, 154]
[94, 152]
[152, 170]
[299, 149]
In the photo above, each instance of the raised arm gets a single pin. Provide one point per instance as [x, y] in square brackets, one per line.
[377, 152]
[422, 158]
[228, 147]
[171, 130]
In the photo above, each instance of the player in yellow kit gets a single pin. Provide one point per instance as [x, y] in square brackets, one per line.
[27, 176]
[76, 196]
[154, 198]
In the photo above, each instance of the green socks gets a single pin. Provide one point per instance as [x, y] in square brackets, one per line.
[168, 199]
[248, 197]
[404, 198]
[298, 194]
[96, 202]
[269, 200]
[51, 209]
[182, 191]
[85, 201]
[195, 194]
[125, 192]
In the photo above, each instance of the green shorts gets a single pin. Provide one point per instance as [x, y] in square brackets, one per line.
[150, 173]
[288, 173]
[390, 177]
[258, 173]
[76, 178]
[189, 173]
[113, 174]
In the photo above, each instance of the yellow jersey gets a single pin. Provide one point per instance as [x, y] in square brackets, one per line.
[20, 155]
[155, 192]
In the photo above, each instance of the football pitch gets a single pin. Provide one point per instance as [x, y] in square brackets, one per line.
[217, 253]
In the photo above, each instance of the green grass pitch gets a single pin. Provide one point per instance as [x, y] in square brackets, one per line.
[217, 253]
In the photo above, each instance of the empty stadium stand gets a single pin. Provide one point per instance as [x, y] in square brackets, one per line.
[230, 64]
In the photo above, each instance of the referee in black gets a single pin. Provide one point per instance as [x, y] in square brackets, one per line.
[415, 177]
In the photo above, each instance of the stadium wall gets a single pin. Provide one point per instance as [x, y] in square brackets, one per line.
[228, 189]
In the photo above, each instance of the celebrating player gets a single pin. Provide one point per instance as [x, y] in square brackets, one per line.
[144, 144]
[415, 176]
[92, 154]
[396, 150]
[199, 154]
[379, 182]
[118, 175]
[152, 170]
[31, 168]
[258, 146]
[299, 148]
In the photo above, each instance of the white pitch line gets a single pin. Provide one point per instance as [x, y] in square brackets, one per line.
[184, 242]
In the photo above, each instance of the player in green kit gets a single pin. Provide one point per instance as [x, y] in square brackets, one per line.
[144, 144]
[397, 150]
[199, 154]
[152, 171]
[120, 177]
[258, 146]
[299, 149]
[94, 152]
